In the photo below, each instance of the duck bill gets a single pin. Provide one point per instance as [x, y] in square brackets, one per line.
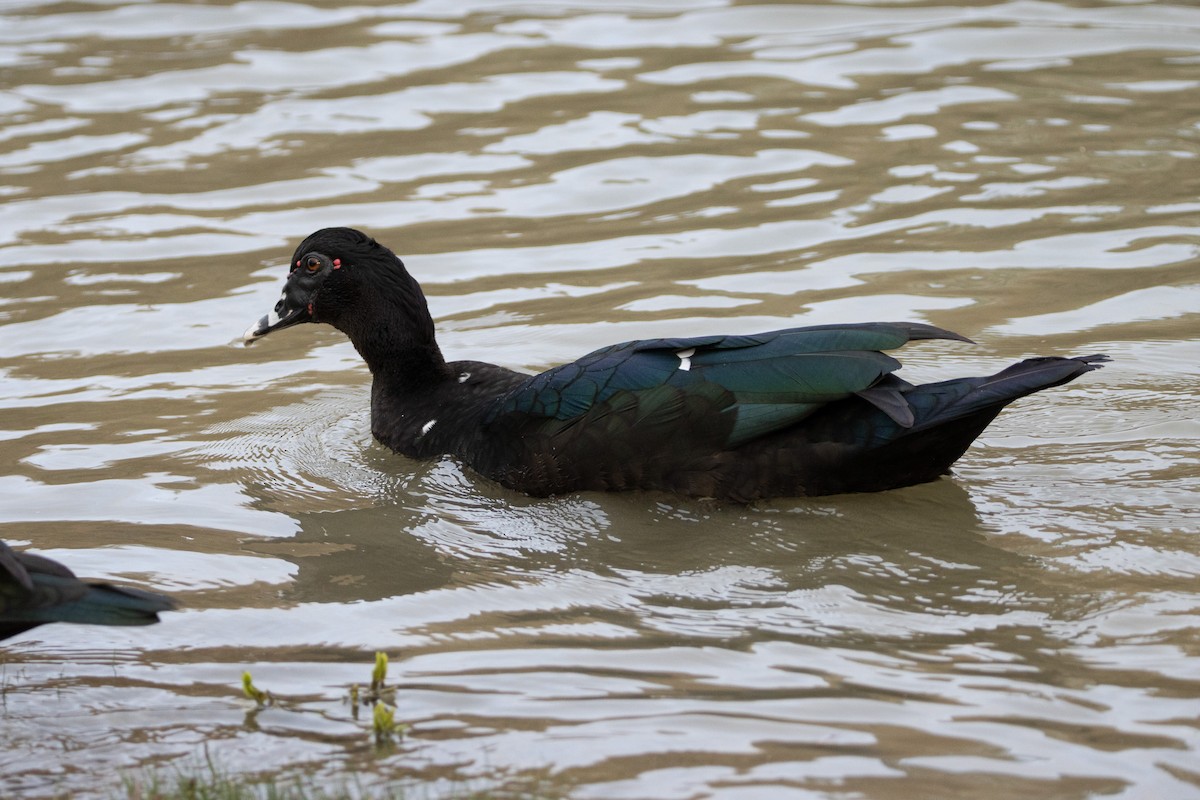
[294, 307]
[275, 322]
[296, 302]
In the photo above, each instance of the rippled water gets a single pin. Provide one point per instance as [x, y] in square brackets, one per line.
[561, 175]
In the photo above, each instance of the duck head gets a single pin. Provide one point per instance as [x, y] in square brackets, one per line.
[310, 283]
[329, 272]
[343, 277]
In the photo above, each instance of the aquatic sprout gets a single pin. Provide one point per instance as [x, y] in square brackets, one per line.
[260, 697]
[379, 696]
[379, 674]
[383, 699]
[379, 690]
[387, 729]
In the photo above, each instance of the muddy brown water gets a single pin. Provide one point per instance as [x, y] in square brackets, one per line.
[561, 176]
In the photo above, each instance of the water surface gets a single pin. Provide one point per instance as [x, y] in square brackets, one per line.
[560, 176]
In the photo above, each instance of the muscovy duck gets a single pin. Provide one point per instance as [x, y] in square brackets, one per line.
[795, 412]
[35, 590]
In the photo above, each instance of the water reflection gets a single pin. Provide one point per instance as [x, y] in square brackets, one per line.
[560, 176]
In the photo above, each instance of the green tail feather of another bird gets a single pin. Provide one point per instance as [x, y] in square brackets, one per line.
[35, 590]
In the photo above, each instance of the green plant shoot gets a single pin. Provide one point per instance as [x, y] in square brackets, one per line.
[379, 674]
[253, 692]
[384, 722]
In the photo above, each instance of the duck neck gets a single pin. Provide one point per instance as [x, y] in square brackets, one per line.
[396, 340]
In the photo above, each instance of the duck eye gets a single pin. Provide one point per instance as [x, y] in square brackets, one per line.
[312, 263]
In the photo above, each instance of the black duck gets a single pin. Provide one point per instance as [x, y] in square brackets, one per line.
[801, 411]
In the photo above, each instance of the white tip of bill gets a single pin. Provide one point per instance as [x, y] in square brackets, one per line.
[263, 324]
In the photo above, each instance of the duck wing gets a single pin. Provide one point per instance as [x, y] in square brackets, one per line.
[743, 387]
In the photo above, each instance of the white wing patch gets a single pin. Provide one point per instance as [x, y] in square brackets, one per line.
[464, 377]
[685, 358]
[428, 426]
